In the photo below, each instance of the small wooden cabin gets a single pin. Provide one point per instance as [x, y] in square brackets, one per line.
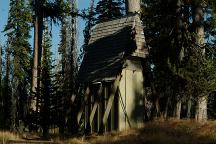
[112, 71]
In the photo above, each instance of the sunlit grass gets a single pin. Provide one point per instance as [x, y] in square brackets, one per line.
[157, 132]
[6, 136]
[75, 141]
[164, 132]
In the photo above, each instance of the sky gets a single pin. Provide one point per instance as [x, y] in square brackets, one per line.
[4, 7]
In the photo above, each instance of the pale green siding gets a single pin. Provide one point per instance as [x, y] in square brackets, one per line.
[132, 94]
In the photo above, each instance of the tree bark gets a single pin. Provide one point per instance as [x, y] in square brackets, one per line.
[189, 105]
[179, 51]
[201, 110]
[198, 19]
[167, 107]
[178, 109]
[1, 95]
[0, 74]
[38, 32]
[132, 6]
[9, 111]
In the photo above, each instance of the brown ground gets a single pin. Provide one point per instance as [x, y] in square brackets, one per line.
[157, 132]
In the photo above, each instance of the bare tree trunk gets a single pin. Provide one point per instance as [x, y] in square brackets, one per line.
[167, 107]
[168, 93]
[178, 109]
[9, 111]
[35, 65]
[71, 72]
[38, 32]
[201, 110]
[132, 6]
[189, 105]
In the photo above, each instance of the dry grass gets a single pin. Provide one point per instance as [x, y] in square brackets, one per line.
[160, 132]
[157, 132]
[6, 136]
[74, 141]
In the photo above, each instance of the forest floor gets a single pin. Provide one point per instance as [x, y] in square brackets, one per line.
[156, 132]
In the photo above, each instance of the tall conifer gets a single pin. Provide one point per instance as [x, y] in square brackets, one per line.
[46, 87]
[109, 9]
[17, 31]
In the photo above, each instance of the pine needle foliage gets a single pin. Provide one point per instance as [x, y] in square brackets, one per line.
[17, 31]
[176, 59]
[108, 9]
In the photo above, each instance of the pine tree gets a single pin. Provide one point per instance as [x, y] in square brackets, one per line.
[68, 51]
[90, 22]
[54, 11]
[38, 33]
[9, 113]
[17, 31]
[175, 52]
[0, 71]
[108, 9]
[71, 70]
[42, 9]
[46, 83]
[1, 89]
[62, 73]
[159, 18]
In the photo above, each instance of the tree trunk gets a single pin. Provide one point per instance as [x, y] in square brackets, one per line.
[198, 19]
[45, 82]
[38, 32]
[35, 66]
[167, 107]
[68, 51]
[179, 51]
[73, 68]
[132, 6]
[178, 109]
[189, 105]
[0, 75]
[1, 93]
[9, 100]
[201, 110]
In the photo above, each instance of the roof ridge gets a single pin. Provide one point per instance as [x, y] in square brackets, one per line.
[122, 17]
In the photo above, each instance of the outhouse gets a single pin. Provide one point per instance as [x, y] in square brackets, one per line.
[112, 72]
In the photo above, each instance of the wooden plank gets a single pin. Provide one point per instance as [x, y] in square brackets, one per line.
[99, 115]
[95, 104]
[92, 126]
[73, 97]
[123, 106]
[93, 112]
[111, 99]
[112, 117]
[88, 111]
[79, 115]
[106, 96]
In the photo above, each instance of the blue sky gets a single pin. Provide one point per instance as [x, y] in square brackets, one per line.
[3, 18]
[4, 7]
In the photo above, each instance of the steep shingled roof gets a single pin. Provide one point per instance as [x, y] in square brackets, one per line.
[109, 44]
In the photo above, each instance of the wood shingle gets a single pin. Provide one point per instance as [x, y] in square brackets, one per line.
[110, 43]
